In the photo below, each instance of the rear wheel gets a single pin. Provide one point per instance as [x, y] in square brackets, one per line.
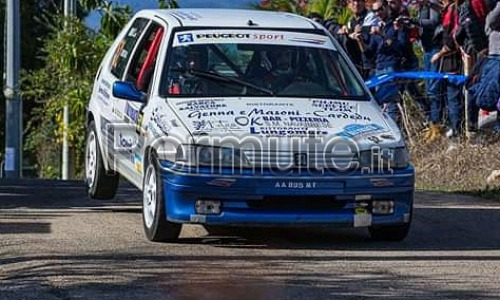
[100, 183]
[156, 225]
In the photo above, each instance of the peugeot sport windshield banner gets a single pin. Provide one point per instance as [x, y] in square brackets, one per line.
[232, 36]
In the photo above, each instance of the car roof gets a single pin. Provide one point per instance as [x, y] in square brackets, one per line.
[206, 17]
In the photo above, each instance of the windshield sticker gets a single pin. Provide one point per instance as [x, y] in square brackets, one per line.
[185, 38]
[309, 41]
[187, 15]
[223, 36]
[252, 37]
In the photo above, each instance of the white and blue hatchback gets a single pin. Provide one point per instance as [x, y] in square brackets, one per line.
[243, 118]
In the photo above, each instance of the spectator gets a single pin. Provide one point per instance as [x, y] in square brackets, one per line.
[355, 26]
[429, 19]
[486, 92]
[387, 43]
[470, 34]
[449, 61]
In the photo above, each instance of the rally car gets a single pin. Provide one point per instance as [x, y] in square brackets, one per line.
[243, 118]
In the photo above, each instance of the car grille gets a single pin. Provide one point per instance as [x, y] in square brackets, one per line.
[288, 159]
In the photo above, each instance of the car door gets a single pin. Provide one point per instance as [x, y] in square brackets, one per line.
[139, 71]
[114, 124]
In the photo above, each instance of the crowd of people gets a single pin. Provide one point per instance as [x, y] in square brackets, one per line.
[455, 36]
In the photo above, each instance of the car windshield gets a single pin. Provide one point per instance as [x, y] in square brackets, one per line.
[204, 63]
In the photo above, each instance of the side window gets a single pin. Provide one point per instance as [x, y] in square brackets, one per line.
[125, 47]
[142, 65]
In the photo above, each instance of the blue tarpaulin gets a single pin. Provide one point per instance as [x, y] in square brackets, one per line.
[380, 79]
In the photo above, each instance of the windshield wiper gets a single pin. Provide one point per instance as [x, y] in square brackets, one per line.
[222, 78]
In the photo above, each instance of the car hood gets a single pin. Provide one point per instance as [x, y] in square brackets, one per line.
[286, 119]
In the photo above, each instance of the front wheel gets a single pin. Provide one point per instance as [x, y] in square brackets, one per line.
[100, 184]
[156, 225]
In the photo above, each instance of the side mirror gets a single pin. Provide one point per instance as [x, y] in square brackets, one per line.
[128, 91]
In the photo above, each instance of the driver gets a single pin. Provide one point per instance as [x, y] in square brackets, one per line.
[280, 66]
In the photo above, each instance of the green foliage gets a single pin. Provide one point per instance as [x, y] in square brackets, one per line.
[293, 6]
[70, 54]
[113, 16]
[327, 9]
[71, 59]
[163, 4]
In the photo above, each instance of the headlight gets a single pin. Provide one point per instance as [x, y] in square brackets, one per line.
[201, 155]
[385, 158]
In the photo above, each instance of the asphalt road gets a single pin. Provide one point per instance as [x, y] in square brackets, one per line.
[57, 244]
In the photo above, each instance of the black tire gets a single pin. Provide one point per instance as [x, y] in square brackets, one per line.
[389, 233]
[156, 226]
[102, 184]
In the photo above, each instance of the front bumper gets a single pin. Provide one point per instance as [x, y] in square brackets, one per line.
[290, 200]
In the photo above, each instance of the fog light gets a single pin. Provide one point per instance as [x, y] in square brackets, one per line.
[382, 207]
[207, 207]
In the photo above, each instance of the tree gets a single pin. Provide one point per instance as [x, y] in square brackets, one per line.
[327, 9]
[31, 26]
[70, 60]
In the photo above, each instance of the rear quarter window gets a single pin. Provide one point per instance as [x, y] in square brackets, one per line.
[125, 47]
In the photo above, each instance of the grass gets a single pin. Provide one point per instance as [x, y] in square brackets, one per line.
[463, 170]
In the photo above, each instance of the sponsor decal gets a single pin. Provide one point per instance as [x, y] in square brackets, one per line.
[202, 114]
[195, 105]
[260, 104]
[259, 121]
[336, 106]
[269, 37]
[308, 122]
[285, 131]
[124, 141]
[259, 111]
[223, 36]
[342, 115]
[358, 130]
[160, 120]
[103, 93]
[295, 184]
[117, 112]
[208, 125]
[185, 38]
[131, 113]
[138, 162]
